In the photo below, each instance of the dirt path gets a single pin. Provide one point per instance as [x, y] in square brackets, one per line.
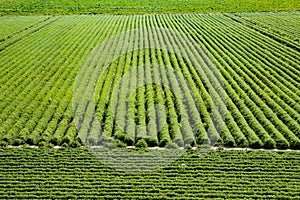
[160, 148]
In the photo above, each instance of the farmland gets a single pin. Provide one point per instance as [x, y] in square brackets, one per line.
[62, 7]
[257, 84]
[75, 174]
[140, 99]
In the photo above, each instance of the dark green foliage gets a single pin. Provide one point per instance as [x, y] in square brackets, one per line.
[163, 142]
[151, 141]
[67, 140]
[3, 144]
[54, 141]
[49, 145]
[65, 145]
[18, 142]
[125, 138]
[120, 144]
[42, 144]
[30, 140]
[141, 144]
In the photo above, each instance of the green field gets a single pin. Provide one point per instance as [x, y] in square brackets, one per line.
[257, 84]
[57, 7]
[75, 174]
[280, 24]
[140, 99]
[19, 24]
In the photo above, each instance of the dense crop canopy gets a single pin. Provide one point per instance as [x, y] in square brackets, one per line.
[258, 84]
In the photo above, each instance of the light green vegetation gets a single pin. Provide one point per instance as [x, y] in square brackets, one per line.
[260, 72]
[285, 24]
[29, 7]
[11, 25]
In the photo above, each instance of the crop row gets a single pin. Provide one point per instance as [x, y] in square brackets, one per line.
[75, 173]
[229, 85]
[284, 24]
